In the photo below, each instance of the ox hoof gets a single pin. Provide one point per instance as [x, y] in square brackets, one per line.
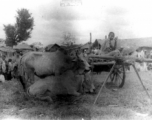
[77, 94]
[46, 98]
[49, 100]
[92, 91]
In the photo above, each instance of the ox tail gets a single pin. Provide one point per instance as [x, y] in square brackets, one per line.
[22, 83]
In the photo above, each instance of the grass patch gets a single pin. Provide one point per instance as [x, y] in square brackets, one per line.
[129, 102]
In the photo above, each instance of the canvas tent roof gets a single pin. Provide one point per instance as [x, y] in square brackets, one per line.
[22, 46]
[128, 50]
[7, 49]
[37, 45]
[145, 48]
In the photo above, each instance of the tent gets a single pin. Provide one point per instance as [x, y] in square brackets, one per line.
[22, 46]
[7, 49]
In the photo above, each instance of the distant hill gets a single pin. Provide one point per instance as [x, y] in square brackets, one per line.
[137, 42]
[37, 44]
[134, 43]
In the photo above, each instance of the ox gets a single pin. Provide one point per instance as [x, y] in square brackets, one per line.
[48, 64]
[66, 84]
[52, 69]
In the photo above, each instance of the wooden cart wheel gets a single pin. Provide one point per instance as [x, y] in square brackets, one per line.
[118, 75]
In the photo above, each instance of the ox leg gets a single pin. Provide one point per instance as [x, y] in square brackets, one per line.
[88, 83]
[45, 98]
[80, 85]
[72, 90]
[30, 76]
[71, 87]
[39, 90]
[21, 81]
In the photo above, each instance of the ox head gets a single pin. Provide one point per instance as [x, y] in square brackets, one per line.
[88, 86]
[81, 62]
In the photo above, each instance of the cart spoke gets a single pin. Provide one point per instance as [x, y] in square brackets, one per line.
[112, 77]
[118, 80]
[119, 76]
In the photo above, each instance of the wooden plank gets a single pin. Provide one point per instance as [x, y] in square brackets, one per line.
[126, 59]
[101, 56]
[103, 63]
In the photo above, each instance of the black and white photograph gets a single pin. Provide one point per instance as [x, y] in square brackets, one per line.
[76, 60]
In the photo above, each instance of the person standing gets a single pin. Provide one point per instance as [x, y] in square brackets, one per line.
[2, 68]
[3, 64]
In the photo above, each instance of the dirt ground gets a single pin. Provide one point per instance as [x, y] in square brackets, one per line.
[127, 103]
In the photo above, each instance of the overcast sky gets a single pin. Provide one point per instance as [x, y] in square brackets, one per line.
[127, 18]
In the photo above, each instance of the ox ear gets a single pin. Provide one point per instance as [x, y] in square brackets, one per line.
[78, 52]
[68, 60]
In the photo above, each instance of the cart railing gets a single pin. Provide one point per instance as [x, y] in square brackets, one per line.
[124, 59]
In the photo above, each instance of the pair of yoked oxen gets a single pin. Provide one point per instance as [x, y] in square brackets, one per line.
[53, 72]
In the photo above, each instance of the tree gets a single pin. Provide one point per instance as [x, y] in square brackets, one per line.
[96, 44]
[10, 35]
[69, 39]
[24, 25]
[21, 30]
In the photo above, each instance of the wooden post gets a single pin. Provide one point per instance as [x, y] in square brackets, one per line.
[90, 38]
[90, 43]
[106, 38]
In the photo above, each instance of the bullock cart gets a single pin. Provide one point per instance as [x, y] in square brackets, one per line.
[117, 68]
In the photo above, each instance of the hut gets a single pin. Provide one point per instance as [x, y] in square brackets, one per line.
[52, 47]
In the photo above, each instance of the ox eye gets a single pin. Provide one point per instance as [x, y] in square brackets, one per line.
[81, 61]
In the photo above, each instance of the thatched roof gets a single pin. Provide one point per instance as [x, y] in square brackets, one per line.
[72, 47]
[86, 46]
[100, 41]
[48, 47]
